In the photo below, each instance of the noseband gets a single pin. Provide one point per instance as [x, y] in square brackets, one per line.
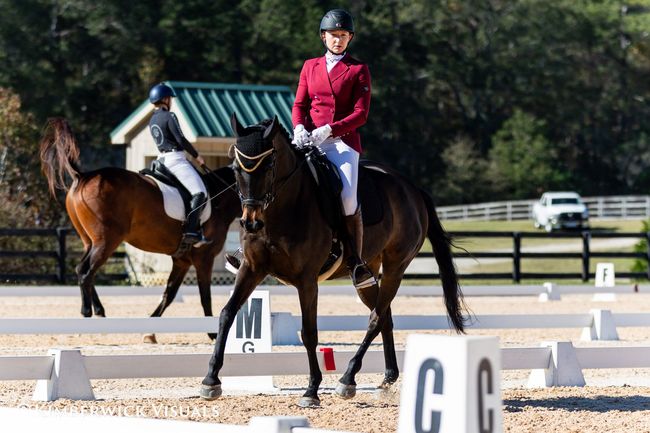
[254, 162]
[270, 195]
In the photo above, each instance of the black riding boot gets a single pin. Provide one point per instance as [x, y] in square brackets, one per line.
[359, 271]
[193, 233]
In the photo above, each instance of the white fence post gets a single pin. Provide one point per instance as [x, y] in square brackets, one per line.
[69, 378]
[602, 327]
[563, 369]
[284, 329]
[551, 294]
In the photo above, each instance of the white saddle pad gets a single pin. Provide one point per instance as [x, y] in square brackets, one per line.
[174, 207]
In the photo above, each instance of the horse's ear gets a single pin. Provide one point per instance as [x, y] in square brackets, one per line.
[270, 130]
[237, 128]
[231, 151]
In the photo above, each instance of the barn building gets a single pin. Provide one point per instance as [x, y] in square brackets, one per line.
[203, 111]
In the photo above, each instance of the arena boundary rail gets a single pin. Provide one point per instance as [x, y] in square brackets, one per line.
[405, 290]
[67, 373]
[285, 327]
[55, 421]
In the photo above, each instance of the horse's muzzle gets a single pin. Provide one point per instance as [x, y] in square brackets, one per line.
[250, 219]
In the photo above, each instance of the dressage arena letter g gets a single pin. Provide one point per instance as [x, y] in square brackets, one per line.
[430, 365]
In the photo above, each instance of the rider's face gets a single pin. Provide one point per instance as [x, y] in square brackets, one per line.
[336, 40]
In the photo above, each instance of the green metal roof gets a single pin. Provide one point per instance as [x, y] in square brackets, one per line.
[207, 106]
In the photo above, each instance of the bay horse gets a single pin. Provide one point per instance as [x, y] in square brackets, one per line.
[286, 235]
[113, 205]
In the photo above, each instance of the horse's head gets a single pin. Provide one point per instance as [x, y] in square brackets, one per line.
[255, 169]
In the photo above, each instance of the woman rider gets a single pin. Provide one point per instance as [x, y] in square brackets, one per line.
[172, 145]
[332, 101]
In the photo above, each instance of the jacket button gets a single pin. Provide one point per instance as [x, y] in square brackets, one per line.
[332, 110]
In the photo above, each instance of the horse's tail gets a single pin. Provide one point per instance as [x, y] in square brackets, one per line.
[59, 154]
[441, 243]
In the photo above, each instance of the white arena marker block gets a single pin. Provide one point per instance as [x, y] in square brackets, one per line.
[551, 293]
[563, 369]
[69, 378]
[451, 385]
[602, 327]
[251, 333]
[284, 330]
[277, 424]
[605, 277]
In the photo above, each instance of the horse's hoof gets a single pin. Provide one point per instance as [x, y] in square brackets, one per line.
[150, 338]
[309, 402]
[210, 392]
[346, 391]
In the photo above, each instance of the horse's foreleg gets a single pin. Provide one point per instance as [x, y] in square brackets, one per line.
[308, 295]
[244, 286]
[179, 270]
[347, 385]
[204, 279]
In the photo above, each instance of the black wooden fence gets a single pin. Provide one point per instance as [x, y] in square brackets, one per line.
[516, 255]
[60, 269]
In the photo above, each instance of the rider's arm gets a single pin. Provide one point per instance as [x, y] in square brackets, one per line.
[175, 129]
[302, 102]
[361, 98]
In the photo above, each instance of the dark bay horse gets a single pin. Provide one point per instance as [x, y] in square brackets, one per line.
[112, 205]
[285, 235]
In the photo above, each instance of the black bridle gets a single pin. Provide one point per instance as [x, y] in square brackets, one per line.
[270, 195]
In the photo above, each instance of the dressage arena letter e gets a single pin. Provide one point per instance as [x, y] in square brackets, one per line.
[451, 385]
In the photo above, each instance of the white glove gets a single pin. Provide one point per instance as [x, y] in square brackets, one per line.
[319, 135]
[300, 136]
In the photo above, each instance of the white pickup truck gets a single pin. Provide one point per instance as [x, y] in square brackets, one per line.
[560, 210]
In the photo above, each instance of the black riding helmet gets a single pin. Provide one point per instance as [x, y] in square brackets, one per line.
[337, 19]
[159, 92]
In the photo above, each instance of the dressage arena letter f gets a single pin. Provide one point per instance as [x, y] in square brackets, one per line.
[248, 315]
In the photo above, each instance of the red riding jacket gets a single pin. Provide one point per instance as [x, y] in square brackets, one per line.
[340, 98]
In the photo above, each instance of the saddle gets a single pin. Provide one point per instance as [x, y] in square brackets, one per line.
[328, 191]
[161, 173]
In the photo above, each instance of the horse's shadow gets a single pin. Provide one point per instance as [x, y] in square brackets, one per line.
[631, 403]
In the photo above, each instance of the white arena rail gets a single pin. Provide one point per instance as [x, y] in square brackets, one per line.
[286, 327]
[558, 363]
[39, 420]
[405, 290]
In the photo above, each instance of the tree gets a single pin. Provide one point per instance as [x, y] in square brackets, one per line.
[23, 190]
[466, 178]
[522, 160]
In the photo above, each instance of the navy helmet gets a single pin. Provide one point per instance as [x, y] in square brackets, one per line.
[159, 92]
[337, 19]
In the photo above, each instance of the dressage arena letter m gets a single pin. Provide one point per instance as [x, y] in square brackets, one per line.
[249, 315]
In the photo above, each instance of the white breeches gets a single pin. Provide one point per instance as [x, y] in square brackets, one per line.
[178, 164]
[346, 160]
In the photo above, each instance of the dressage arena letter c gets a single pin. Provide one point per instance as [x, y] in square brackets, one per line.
[485, 371]
[434, 367]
